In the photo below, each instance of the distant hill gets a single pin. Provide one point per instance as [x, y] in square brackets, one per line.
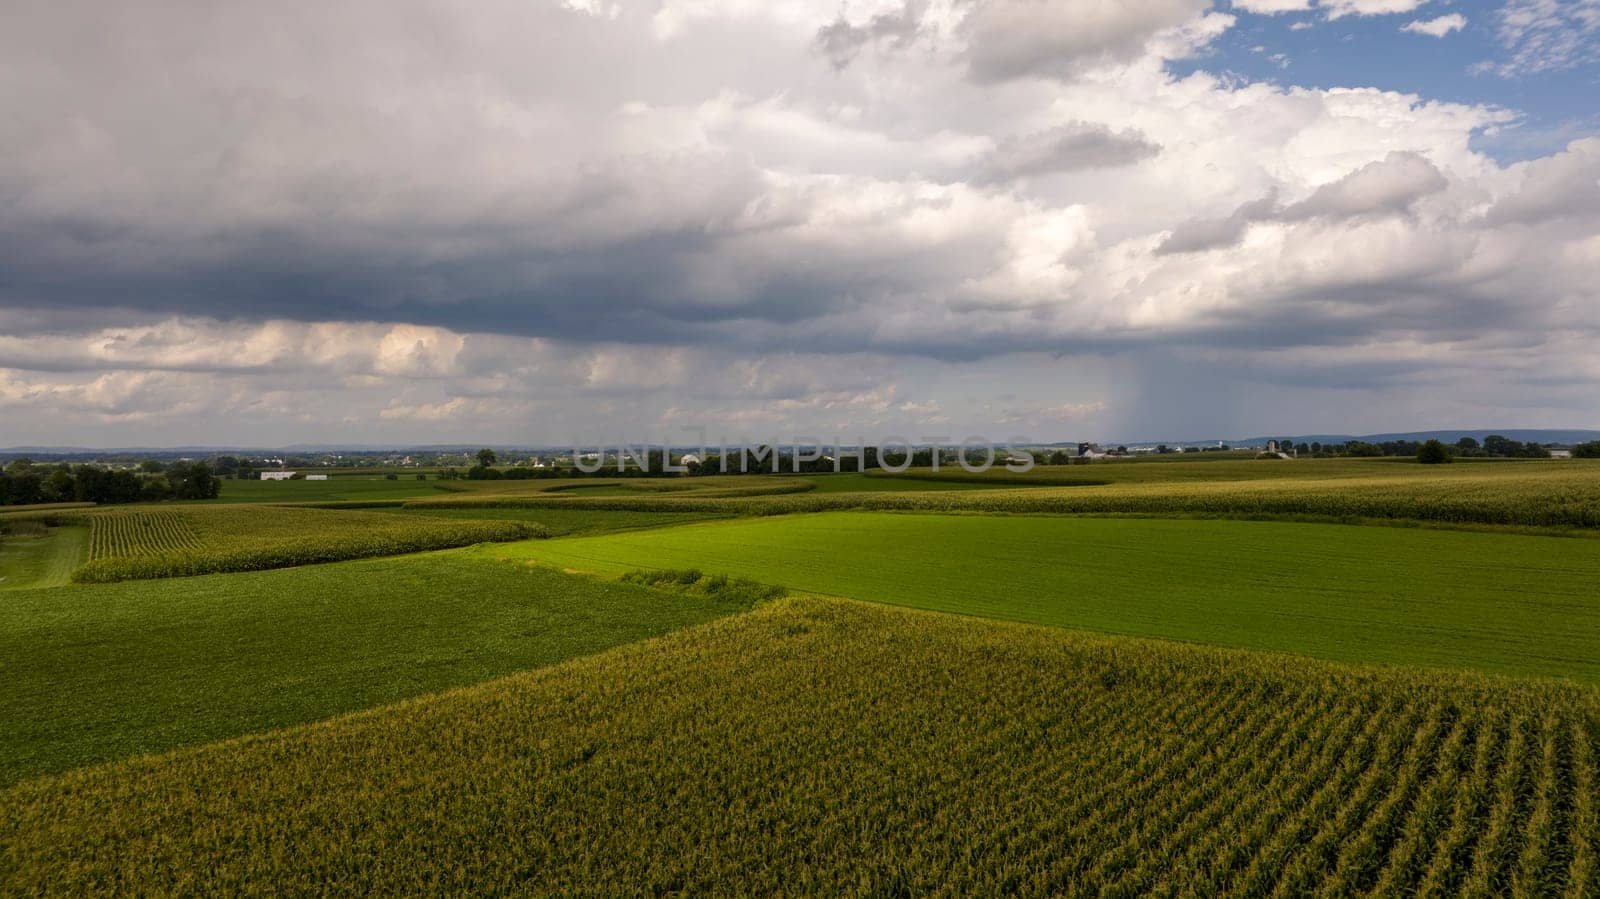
[301, 448]
[1524, 435]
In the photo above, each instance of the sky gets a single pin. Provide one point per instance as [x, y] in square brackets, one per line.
[541, 222]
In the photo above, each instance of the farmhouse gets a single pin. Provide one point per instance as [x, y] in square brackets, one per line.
[276, 475]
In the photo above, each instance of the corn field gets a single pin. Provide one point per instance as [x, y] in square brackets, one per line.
[829, 747]
[132, 533]
[129, 544]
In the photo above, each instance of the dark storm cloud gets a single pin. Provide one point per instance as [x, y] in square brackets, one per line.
[1199, 235]
[1072, 147]
[1041, 38]
[1388, 187]
[841, 41]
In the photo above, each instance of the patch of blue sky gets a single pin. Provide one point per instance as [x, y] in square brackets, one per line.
[1474, 64]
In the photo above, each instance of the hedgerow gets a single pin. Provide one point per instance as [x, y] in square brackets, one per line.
[714, 586]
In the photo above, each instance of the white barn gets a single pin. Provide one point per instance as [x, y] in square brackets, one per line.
[316, 477]
[276, 475]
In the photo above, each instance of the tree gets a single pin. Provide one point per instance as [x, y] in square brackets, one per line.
[151, 466]
[193, 481]
[1497, 445]
[1467, 444]
[1433, 453]
[1590, 450]
[20, 488]
[58, 487]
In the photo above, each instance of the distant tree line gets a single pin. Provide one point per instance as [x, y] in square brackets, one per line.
[1495, 446]
[23, 483]
[766, 459]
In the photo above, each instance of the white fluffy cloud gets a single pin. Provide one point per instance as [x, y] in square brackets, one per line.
[561, 215]
[1340, 8]
[1438, 27]
[1272, 7]
[1333, 9]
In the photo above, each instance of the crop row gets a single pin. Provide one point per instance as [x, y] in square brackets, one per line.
[828, 747]
[130, 532]
[131, 544]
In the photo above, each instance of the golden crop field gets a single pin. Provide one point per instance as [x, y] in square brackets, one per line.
[833, 747]
[1543, 494]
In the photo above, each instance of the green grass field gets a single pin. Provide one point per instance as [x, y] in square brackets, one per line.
[94, 673]
[1504, 603]
[564, 522]
[33, 555]
[828, 748]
